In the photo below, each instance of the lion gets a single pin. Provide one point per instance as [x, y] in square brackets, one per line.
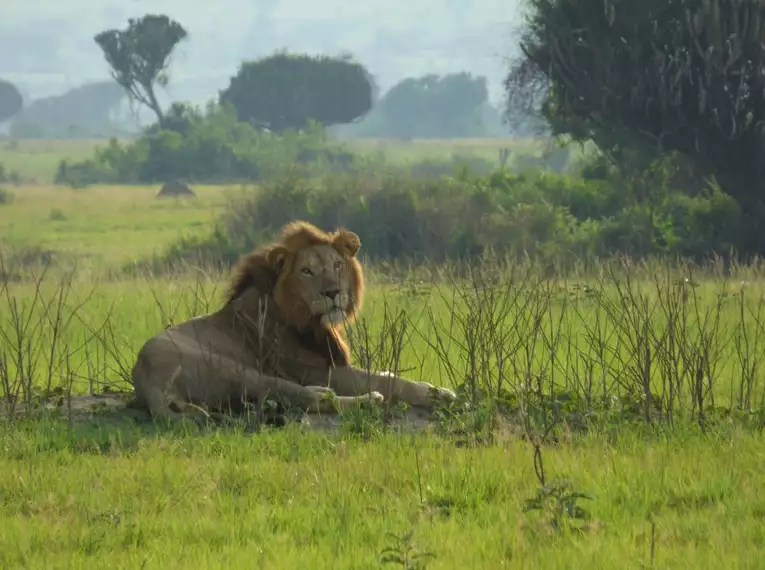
[277, 336]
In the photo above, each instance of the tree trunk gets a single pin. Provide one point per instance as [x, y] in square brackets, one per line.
[154, 105]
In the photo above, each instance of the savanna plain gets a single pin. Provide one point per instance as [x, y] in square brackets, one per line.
[609, 416]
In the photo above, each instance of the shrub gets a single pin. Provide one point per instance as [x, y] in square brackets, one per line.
[9, 176]
[214, 147]
[211, 147]
[558, 218]
[400, 218]
[6, 196]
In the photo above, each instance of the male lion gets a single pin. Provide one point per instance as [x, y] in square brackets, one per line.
[276, 335]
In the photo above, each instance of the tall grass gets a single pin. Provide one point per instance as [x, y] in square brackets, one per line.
[655, 342]
[595, 359]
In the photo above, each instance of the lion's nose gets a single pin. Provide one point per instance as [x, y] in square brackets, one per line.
[332, 294]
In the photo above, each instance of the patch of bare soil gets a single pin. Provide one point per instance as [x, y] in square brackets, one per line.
[119, 409]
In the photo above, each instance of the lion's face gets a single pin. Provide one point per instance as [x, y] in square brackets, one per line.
[319, 282]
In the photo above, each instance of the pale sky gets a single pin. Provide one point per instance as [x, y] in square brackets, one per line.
[46, 46]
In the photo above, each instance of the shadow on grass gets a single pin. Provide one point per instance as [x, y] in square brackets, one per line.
[112, 421]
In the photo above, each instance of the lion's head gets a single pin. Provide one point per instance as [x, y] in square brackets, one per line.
[313, 277]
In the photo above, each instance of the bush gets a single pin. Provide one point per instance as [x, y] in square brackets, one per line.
[9, 176]
[6, 197]
[558, 218]
[211, 147]
[214, 147]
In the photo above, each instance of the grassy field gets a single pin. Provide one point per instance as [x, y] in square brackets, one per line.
[105, 226]
[76, 498]
[679, 492]
[434, 149]
[36, 161]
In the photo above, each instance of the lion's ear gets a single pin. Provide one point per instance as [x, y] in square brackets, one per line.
[347, 243]
[277, 257]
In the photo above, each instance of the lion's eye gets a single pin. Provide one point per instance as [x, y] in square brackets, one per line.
[306, 271]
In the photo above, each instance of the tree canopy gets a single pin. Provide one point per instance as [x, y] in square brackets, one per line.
[287, 90]
[139, 56]
[660, 75]
[11, 101]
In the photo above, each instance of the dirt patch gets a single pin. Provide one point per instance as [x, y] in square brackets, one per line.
[118, 408]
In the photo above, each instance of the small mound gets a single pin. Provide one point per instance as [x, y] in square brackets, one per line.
[175, 189]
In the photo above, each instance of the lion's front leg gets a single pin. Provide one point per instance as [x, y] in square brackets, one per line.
[323, 400]
[313, 399]
[347, 381]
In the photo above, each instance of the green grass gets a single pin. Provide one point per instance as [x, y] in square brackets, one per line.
[114, 494]
[110, 494]
[77, 497]
[399, 150]
[550, 334]
[118, 494]
[36, 161]
[105, 226]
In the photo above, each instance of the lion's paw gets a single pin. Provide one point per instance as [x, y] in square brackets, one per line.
[375, 397]
[438, 393]
[321, 392]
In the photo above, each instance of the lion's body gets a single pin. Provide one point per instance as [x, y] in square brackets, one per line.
[276, 336]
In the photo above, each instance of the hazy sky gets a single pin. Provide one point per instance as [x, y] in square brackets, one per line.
[46, 46]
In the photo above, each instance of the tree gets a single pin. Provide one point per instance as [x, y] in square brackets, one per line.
[651, 77]
[180, 118]
[287, 90]
[432, 106]
[85, 109]
[10, 100]
[139, 56]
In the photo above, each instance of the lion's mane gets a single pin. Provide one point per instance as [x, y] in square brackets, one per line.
[270, 270]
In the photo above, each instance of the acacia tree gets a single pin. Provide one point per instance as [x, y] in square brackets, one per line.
[287, 90]
[139, 56]
[659, 75]
[10, 100]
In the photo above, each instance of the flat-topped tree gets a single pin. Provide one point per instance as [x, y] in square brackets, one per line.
[10, 100]
[287, 90]
[139, 56]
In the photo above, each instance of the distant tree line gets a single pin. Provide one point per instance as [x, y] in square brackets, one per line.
[85, 111]
[281, 91]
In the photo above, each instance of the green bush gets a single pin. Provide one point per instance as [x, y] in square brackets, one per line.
[6, 196]
[211, 147]
[214, 147]
[9, 176]
[558, 218]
